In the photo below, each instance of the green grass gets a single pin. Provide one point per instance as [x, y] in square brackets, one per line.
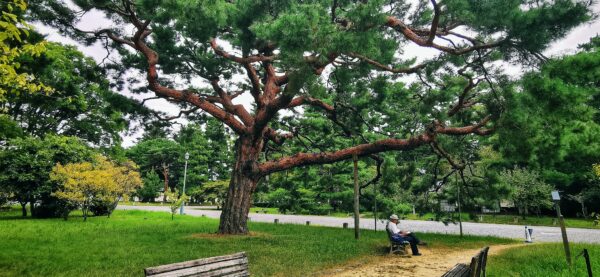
[254, 210]
[543, 260]
[131, 240]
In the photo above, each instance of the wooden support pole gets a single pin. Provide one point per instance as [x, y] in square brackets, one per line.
[563, 231]
[356, 199]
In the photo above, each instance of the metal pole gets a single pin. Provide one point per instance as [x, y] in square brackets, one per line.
[458, 200]
[586, 255]
[356, 203]
[563, 231]
[375, 203]
[187, 156]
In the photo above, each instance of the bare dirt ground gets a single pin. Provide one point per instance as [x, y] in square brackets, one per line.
[433, 262]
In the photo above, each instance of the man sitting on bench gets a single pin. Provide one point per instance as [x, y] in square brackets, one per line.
[400, 236]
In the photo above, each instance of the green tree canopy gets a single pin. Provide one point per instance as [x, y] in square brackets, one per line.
[14, 43]
[82, 103]
[553, 125]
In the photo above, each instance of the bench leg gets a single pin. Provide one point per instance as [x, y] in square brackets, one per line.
[401, 248]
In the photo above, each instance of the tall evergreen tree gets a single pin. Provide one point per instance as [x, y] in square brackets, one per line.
[339, 57]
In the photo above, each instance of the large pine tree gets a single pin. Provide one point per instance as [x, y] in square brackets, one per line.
[339, 58]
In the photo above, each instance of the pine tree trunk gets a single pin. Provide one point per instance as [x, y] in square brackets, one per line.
[234, 215]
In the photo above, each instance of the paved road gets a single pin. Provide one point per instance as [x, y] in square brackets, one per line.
[546, 234]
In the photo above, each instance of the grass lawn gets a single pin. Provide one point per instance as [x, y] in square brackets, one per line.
[131, 240]
[543, 260]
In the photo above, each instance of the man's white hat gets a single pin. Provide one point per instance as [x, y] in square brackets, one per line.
[393, 217]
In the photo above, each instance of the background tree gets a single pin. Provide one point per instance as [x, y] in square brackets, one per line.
[529, 190]
[192, 140]
[25, 167]
[211, 191]
[151, 188]
[553, 125]
[82, 103]
[161, 155]
[340, 57]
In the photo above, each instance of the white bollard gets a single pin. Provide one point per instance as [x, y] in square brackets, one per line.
[528, 233]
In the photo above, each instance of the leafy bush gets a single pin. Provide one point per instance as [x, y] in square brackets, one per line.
[100, 207]
[50, 207]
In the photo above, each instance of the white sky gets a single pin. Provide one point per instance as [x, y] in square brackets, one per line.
[94, 20]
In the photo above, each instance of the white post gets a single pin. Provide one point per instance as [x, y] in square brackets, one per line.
[187, 156]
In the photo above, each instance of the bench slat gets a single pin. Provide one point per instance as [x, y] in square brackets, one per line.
[459, 270]
[475, 269]
[206, 269]
[232, 270]
[239, 258]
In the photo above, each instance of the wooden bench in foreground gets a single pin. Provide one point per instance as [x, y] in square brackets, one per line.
[475, 269]
[229, 265]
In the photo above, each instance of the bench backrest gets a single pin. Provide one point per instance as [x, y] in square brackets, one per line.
[388, 231]
[478, 263]
[229, 265]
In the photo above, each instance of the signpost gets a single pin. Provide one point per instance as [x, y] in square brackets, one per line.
[563, 230]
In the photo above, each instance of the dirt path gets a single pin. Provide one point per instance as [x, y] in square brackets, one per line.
[433, 262]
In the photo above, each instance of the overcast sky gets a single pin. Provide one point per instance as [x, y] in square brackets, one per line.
[95, 20]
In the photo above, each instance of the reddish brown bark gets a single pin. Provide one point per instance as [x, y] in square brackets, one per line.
[245, 177]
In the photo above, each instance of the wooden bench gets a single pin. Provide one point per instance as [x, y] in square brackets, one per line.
[394, 246]
[229, 265]
[475, 269]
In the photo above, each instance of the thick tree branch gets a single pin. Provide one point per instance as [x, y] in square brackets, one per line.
[390, 144]
[409, 34]
[255, 81]
[228, 105]
[434, 23]
[302, 159]
[137, 43]
[305, 100]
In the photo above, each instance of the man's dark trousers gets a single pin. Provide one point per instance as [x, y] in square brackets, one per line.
[397, 238]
